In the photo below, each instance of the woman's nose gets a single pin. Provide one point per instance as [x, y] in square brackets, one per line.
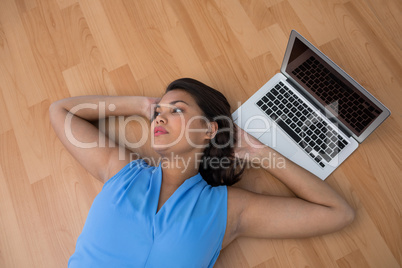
[160, 120]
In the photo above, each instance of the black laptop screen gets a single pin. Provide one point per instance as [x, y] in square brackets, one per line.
[333, 91]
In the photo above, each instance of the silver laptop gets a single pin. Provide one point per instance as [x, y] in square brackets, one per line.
[312, 112]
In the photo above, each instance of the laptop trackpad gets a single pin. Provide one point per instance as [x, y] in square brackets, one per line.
[279, 143]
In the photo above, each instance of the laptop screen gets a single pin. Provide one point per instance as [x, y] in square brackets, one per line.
[328, 87]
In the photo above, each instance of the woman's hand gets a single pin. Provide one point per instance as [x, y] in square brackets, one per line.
[149, 107]
[247, 147]
[100, 156]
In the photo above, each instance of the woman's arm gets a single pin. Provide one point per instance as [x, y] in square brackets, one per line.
[71, 118]
[317, 209]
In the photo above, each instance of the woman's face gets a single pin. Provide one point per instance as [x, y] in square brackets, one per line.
[179, 125]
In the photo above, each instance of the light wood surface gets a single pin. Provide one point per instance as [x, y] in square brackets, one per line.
[52, 49]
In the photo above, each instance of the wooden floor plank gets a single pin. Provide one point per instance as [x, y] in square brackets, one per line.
[12, 239]
[103, 34]
[314, 16]
[121, 20]
[199, 30]
[24, 203]
[16, 55]
[242, 27]
[188, 62]
[23, 122]
[5, 123]
[354, 259]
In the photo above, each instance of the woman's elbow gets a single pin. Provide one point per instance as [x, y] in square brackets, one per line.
[348, 215]
[54, 107]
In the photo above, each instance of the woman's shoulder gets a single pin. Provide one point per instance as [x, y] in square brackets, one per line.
[237, 200]
[131, 170]
[220, 190]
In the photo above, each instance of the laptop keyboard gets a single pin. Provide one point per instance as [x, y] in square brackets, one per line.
[314, 135]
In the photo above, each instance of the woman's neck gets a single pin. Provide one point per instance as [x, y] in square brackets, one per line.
[177, 168]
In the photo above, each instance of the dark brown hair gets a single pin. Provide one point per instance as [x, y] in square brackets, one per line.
[216, 108]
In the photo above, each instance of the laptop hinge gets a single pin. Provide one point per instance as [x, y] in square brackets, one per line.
[319, 107]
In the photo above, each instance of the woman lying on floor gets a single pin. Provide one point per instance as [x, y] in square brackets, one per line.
[183, 211]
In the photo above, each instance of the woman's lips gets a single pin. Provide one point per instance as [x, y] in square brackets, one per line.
[159, 131]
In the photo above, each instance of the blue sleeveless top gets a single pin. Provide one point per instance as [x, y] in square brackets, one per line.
[124, 229]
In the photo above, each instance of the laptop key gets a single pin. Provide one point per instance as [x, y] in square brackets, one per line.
[341, 145]
[325, 156]
[344, 142]
[303, 144]
[289, 131]
[274, 116]
[268, 111]
[318, 158]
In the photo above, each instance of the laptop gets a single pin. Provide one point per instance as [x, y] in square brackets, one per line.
[312, 112]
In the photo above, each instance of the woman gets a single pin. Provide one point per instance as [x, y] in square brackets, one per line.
[183, 211]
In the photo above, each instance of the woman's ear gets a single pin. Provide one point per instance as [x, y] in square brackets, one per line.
[212, 130]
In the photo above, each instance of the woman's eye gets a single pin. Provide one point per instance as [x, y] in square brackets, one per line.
[177, 110]
[156, 114]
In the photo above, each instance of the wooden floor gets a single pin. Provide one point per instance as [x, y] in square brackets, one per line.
[52, 49]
